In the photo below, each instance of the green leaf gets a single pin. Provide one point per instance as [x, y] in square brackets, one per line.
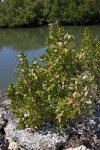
[86, 93]
[84, 77]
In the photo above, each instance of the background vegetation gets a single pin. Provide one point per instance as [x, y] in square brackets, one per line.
[36, 12]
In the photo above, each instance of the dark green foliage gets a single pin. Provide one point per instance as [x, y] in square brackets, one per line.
[36, 12]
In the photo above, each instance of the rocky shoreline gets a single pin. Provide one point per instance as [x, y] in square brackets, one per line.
[83, 134]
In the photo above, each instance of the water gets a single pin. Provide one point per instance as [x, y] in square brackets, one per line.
[32, 42]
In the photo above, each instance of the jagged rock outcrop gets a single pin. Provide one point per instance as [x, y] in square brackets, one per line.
[83, 134]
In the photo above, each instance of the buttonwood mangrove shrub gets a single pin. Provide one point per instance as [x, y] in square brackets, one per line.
[90, 56]
[62, 89]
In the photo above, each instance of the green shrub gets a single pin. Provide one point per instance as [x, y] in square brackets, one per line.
[57, 92]
[90, 52]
